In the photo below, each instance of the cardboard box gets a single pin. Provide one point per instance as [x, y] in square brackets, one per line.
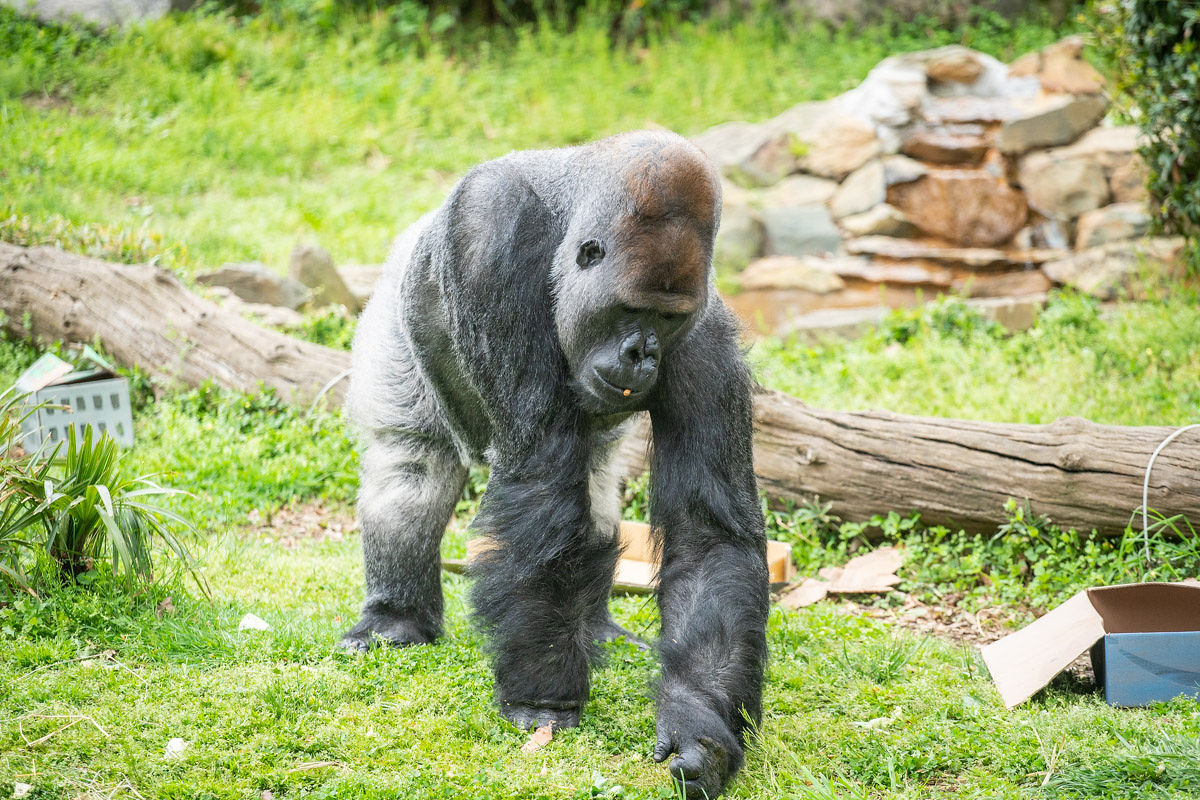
[638, 566]
[68, 397]
[1144, 640]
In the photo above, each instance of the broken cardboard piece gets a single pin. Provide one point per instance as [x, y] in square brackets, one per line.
[1140, 669]
[61, 397]
[638, 566]
[870, 573]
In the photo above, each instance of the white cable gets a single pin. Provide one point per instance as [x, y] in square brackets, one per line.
[333, 382]
[1146, 486]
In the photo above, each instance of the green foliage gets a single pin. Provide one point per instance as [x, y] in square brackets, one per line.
[1159, 766]
[80, 508]
[1160, 64]
[330, 327]
[1138, 364]
[206, 138]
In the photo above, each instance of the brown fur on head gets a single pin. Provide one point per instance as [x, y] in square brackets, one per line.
[668, 220]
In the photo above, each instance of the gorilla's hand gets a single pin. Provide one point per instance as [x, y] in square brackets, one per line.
[706, 752]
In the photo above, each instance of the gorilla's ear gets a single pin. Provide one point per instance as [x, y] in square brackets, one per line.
[499, 242]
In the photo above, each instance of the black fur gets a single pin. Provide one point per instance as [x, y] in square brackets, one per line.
[505, 328]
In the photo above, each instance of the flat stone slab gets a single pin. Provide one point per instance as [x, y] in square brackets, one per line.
[973, 258]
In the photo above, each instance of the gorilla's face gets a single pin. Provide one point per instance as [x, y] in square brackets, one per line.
[632, 276]
[618, 329]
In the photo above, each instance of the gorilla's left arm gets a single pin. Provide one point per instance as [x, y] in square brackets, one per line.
[713, 590]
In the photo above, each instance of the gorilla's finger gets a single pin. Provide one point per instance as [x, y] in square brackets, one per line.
[662, 749]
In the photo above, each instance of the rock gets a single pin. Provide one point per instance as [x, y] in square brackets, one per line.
[105, 13]
[882, 220]
[255, 283]
[790, 272]
[1045, 234]
[1028, 65]
[800, 230]
[313, 267]
[1109, 146]
[973, 258]
[1113, 223]
[835, 146]
[902, 169]
[360, 279]
[1014, 283]
[862, 190]
[740, 238]
[908, 274]
[796, 190]
[1117, 268]
[1051, 122]
[1072, 75]
[954, 64]
[752, 155]
[1014, 313]
[965, 207]
[1127, 182]
[1062, 188]
[946, 148]
[844, 323]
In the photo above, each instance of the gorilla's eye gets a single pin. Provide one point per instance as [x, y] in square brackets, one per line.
[590, 253]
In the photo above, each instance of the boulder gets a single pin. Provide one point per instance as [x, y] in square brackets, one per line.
[882, 220]
[1062, 188]
[1117, 268]
[810, 273]
[800, 230]
[313, 267]
[1014, 283]
[1028, 65]
[361, 280]
[796, 190]
[942, 147]
[972, 258]
[740, 238]
[1114, 223]
[1127, 182]
[964, 207]
[862, 190]
[835, 145]
[1063, 69]
[954, 64]
[902, 169]
[256, 283]
[1108, 145]
[1053, 120]
[752, 155]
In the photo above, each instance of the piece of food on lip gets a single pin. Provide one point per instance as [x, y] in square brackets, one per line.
[627, 392]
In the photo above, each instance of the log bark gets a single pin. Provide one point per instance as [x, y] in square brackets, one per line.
[145, 317]
[953, 472]
[959, 473]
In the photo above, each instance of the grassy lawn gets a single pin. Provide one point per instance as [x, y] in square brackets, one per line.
[201, 139]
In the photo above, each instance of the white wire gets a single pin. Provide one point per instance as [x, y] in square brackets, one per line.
[1146, 485]
[333, 382]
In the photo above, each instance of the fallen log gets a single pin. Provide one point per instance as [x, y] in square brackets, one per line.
[144, 316]
[959, 473]
[953, 472]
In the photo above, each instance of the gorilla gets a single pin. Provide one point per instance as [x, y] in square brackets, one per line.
[555, 294]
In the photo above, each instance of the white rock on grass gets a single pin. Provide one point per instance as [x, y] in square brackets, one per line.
[253, 622]
[175, 748]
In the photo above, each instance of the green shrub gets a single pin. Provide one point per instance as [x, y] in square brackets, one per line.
[1160, 67]
[65, 511]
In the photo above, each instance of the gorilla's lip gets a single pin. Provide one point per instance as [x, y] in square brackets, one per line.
[621, 390]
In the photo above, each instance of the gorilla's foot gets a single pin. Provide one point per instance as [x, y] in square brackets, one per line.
[380, 626]
[607, 631]
[528, 716]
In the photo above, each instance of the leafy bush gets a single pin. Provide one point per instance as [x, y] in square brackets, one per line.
[61, 516]
[1160, 67]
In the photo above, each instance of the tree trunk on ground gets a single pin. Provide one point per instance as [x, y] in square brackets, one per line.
[145, 317]
[959, 473]
[953, 472]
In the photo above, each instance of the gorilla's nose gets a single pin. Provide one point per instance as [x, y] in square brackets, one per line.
[635, 367]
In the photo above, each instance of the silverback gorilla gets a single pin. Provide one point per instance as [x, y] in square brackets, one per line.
[552, 296]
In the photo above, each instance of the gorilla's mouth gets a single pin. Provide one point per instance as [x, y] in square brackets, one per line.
[610, 391]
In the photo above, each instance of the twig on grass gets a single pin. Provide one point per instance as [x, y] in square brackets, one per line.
[75, 719]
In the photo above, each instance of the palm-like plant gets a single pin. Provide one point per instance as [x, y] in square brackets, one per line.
[85, 508]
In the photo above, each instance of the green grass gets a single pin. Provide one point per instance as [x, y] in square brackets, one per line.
[201, 139]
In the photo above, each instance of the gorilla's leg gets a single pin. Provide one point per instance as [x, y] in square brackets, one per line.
[539, 589]
[605, 504]
[408, 490]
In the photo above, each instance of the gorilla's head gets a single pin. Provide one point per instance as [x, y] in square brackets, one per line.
[632, 272]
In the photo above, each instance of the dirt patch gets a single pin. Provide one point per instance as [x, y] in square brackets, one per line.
[48, 102]
[306, 523]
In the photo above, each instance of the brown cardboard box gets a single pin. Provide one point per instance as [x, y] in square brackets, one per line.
[1112, 621]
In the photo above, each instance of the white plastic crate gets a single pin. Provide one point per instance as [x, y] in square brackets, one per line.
[102, 404]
